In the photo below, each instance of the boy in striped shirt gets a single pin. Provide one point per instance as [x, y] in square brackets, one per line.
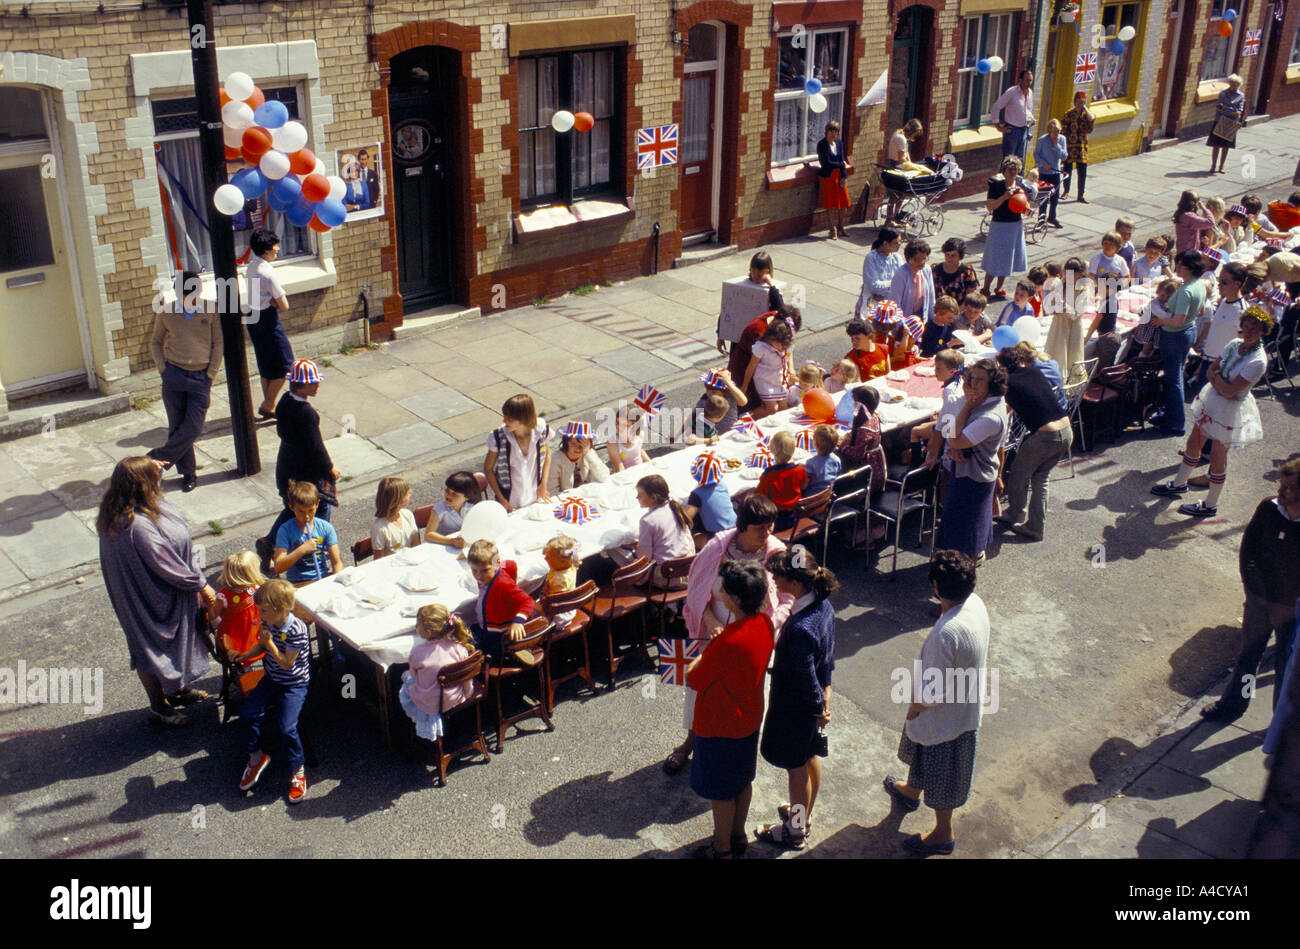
[284, 639]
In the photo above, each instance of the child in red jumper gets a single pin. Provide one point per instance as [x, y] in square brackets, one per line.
[784, 481]
[503, 608]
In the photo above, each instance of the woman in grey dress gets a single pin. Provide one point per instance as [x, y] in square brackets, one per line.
[155, 589]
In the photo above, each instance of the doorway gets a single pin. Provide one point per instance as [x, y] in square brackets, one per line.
[909, 69]
[701, 124]
[421, 107]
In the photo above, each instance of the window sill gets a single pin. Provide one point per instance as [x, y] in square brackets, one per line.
[963, 140]
[795, 173]
[1292, 74]
[555, 220]
[1209, 91]
[1113, 110]
[296, 276]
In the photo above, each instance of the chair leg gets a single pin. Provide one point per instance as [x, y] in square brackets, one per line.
[501, 718]
[585, 672]
[442, 762]
[544, 706]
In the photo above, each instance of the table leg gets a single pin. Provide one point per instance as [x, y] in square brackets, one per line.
[385, 724]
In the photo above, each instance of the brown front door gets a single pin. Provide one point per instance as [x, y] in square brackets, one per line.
[697, 152]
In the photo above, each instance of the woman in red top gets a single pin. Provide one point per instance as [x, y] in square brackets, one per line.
[728, 676]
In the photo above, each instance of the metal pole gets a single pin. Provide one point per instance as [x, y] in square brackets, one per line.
[203, 53]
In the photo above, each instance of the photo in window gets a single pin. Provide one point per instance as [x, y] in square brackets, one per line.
[359, 167]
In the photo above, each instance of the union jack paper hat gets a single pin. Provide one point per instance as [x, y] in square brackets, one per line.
[915, 328]
[713, 379]
[1280, 297]
[304, 372]
[1237, 209]
[707, 468]
[575, 510]
[576, 430]
[886, 311]
[649, 400]
[761, 458]
[1215, 254]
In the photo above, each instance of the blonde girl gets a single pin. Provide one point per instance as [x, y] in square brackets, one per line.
[843, 374]
[443, 641]
[810, 377]
[394, 526]
[234, 616]
[518, 460]
[624, 448]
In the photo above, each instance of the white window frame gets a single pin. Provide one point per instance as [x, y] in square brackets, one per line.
[985, 84]
[784, 95]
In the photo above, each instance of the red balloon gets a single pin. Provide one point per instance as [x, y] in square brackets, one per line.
[302, 162]
[255, 99]
[583, 121]
[257, 140]
[1018, 203]
[316, 225]
[221, 94]
[315, 188]
[819, 406]
[251, 157]
[232, 153]
[1225, 28]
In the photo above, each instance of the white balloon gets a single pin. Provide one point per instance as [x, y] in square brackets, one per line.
[233, 137]
[230, 200]
[487, 520]
[995, 64]
[1030, 330]
[274, 165]
[338, 187]
[1127, 33]
[562, 121]
[817, 102]
[239, 85]
[237, 115]
[289, 137]
[320, 168]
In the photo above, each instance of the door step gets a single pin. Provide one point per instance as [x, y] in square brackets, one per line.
[699, 253]
[47, 413]
[422, 320]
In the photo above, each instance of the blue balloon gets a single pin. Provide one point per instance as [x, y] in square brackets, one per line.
[288, 189]
[1230, 15]
[1005, 336]
[250, 182]
[844, 411]
[270, 114]
[1117, 47]
[983, 67]
[331, 212]
[277, 203]
[300, 212]
[812, 86]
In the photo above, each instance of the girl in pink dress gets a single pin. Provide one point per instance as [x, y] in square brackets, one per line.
[443, 641]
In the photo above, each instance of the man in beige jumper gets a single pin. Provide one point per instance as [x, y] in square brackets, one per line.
[187, 349]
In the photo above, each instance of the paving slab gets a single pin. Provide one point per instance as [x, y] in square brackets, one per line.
[635, 365]
[400, 382]
[10, 575]
[540, 363]
[59, 542]
[419, 351]
[461, 373]
[708, 302]
[1123, 838]
[363, 363]
[437, 404]
[1226, 756]
[495, 395]
[357, 456]
[473, 426]
[579, 339]
[413, 440]
[1190, 809]
[583, 388]
[224, 499]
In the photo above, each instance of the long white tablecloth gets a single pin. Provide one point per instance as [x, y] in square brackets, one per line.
[372, 606]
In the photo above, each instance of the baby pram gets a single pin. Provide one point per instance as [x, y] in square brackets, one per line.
[917, 196]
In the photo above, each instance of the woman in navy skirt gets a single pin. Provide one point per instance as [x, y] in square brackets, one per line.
[978, 433]
[266, 298]
[799, 701]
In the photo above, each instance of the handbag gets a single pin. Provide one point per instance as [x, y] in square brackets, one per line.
[1226, 128]
[328, 490]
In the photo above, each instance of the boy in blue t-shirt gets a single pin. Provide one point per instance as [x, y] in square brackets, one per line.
[284, 639]
[710, 500]
[1018, 305]
[304, 544]
[823, 467]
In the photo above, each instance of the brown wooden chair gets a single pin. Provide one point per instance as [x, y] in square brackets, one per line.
[362, 550]
[472, 673]
[623, 597]
[808, 514]
[669, 587]
[481, 478]
[422, 517]
[537, 637]
[579, 600]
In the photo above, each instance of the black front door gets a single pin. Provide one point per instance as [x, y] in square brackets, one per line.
[420, 98]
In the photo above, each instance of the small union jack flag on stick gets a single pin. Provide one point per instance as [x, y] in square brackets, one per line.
[713, 379]
[576, 510]
[761, 458]
[707, 468]
[649, 400]
[804, 438]
[674, 656]
[745, 425]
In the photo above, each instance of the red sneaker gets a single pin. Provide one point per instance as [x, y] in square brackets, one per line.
[297, 787]
[253, 771]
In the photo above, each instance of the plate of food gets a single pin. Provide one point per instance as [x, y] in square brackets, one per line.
[923, 370]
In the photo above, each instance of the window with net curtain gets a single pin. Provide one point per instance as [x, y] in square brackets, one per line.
[1217, 61]
[186, 207]
[563, 167]
[796, 129]
[1113, 79]
[982, 37]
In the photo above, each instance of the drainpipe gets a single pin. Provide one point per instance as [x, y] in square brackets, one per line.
[654, 234]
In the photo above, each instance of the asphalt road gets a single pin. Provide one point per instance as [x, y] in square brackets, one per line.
[1089, 650]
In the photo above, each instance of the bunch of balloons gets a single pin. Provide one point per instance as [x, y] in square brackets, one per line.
[992, 64]
[816, 101]
[283, 168]
[564, 120]
[1225, 25]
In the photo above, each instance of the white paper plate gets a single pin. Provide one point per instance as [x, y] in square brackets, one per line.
[923, 370]
[899, 375]
[419, 581]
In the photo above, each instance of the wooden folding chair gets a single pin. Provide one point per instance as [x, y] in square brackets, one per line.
[808, 514]
[422, 516]
[623, 597]
[471, 673]
[361, 550]
[579, 600]
[537, 637]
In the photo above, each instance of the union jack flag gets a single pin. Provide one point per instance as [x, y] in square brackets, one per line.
[707, 468]
[713, 379]
[1085, 68]
[1251, 46]
[761, 458]
[576, 510]
[674, 656]
[745, 425]
[886, 311]
[915, 328]
[1273, 242]
[649, 400]
[656, 145]
[804, 439]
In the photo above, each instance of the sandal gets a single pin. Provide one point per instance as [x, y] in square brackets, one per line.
[187, 696]
[708, 853]
[783, 812]
[675, 761]
[739, 844]
[173, 718]
[782, 836]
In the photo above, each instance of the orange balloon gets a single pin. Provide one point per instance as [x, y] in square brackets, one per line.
[251, 157]
[257, 140]
[1225, 28]
[232, 153]
[255, 99]
[1018, 203]
[583, 121]
[316, 225]
[315, 188]
[819, 406]
[221, 94]
[302, 162]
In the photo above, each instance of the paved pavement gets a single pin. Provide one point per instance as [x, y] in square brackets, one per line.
[1089, 658]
